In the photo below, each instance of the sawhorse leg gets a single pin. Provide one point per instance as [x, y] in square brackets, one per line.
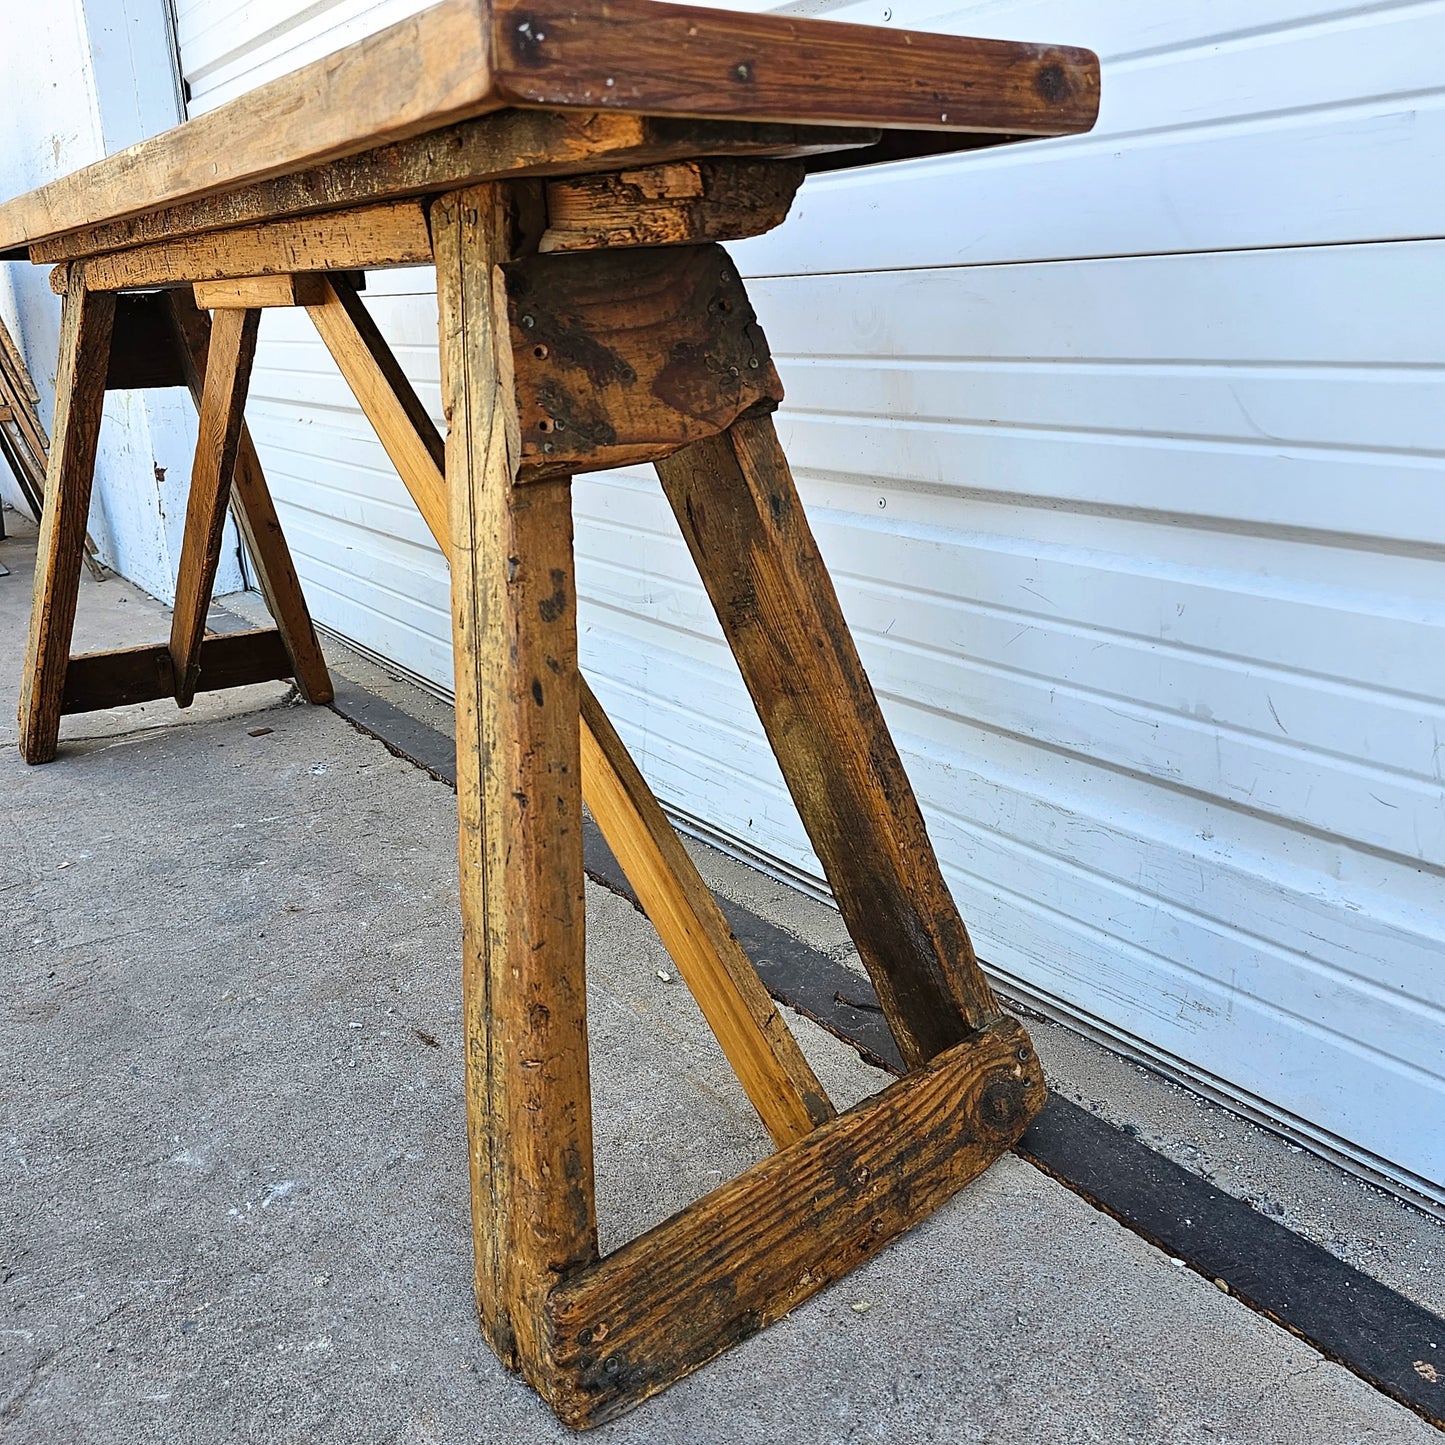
[85, 336]
[596, 1336]
[110, 342]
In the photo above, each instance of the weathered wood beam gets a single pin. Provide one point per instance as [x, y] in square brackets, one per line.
[623, 357]
[679, 204]
[510, 144]
[388, 235]
[770, 1066]
[519, 803]
[696, 61]
[756, 1248]
[223, 403]
[251, 293]
[739, 511]
[95, 680]
[256, 517]
[85, 329]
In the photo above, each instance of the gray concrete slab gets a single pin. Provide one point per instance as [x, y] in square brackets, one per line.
[232, 1173]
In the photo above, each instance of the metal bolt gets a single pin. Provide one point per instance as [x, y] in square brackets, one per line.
[1025, 1054]
[753, 364]
[528, 323]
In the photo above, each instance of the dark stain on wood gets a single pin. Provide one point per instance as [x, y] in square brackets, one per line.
[623, 357]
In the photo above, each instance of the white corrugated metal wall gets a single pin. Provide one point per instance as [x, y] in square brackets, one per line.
[1126, 453]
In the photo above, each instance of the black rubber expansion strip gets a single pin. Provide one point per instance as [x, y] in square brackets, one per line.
[1386, 1339]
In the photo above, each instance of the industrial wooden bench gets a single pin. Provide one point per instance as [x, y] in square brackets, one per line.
[569, 167]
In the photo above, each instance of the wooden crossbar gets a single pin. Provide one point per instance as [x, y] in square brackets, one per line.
[96, 680]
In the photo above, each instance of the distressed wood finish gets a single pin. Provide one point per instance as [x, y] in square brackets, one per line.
[745, 1021]
[256, 517]
[95, 680]
[467, 58]
[756, 1248]
[689, 126]
[249, 293]
[509, 144]
[386, 397]
[625, 357]
[773, 1072]
[680, 204]
[377, 236]
[427, 71]
[85, 332]
[686, 60]
[520, 807]
[738, 508]
[223, 401]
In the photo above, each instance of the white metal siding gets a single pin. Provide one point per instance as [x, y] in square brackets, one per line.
[1126, 453]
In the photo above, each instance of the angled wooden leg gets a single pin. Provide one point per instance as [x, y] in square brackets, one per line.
[520, 806]
[739, 510]
[746, 1022]
[385, 395]
[80, 394]
[256, 518]
[763, 1053]
[223, 402]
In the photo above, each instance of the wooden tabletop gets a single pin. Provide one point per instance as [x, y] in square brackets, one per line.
[467, 58]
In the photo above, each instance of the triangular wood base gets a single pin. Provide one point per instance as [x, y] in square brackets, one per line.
[552, 364]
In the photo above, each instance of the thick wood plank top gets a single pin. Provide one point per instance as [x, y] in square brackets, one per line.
[467, 58]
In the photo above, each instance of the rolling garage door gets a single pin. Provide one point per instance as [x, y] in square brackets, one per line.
[1126, 453]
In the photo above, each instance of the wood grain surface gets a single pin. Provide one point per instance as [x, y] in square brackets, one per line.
[96, 680]
[519, 803]
[223, 403]
[638, 55]
[743, 521]
[466, 58]
[507, 144]
[255, 514]
[756, 1248]
[85, 331]
[625, 356]
[393, 234]
[681, 203]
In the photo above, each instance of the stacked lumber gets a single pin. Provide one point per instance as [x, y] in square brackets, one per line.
[23, 442]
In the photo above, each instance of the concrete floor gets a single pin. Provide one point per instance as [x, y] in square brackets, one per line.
[233, 1198]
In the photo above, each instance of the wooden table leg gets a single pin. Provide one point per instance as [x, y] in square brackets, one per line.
[223, 403]
[256, 518]
[85, 331]
[739, 510]
[520, 806]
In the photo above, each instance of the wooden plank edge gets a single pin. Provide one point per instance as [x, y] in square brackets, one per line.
[757, 1247]
[428, 70]
[505, 145]
[95, 680]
